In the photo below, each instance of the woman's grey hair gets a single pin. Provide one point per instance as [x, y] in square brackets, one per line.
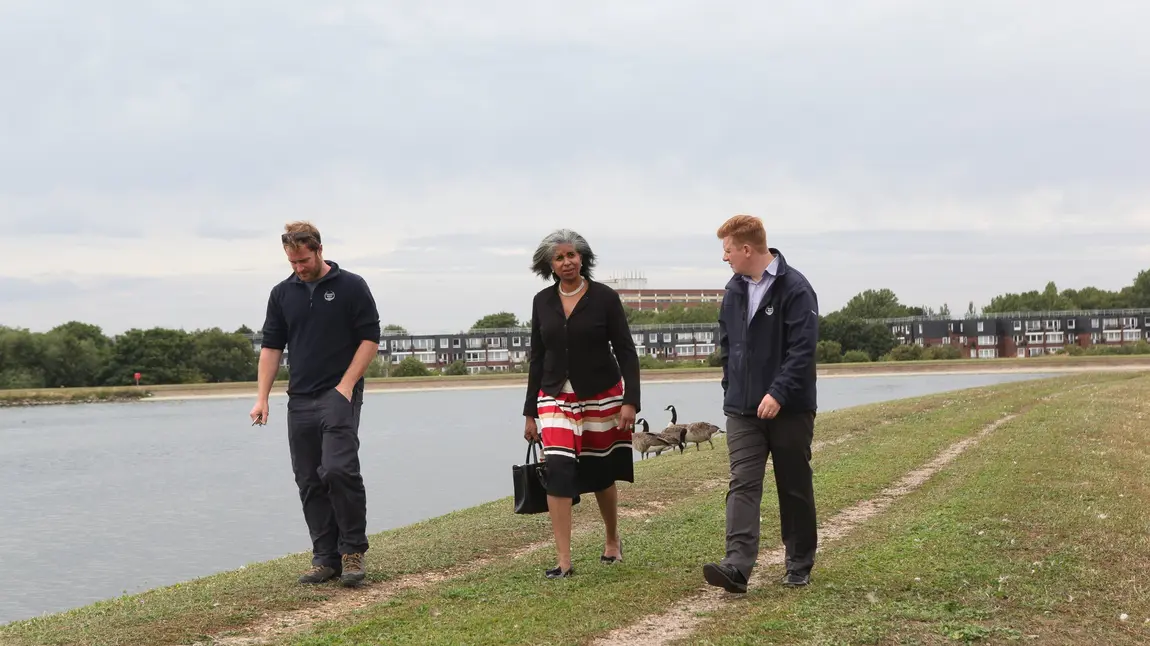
[545, 253]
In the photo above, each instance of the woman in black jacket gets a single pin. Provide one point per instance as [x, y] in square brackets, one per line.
[583, 386]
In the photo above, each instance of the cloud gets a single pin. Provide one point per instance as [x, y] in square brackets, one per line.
[19, 292]
[516, 252]
[57, 223]
[927, 268]
[224, 232]
[637, 252]
[977, 95]
[949, 152]
[165, 106]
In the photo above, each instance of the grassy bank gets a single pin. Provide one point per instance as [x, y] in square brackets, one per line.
[1028, 364]
[1040, 536]
[475, 576]
[247, 389]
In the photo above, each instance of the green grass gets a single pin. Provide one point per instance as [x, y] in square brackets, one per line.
[1040, 535]
[509, 602]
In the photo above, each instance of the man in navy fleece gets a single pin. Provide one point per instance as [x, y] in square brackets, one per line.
[768, 329]
[328, 318]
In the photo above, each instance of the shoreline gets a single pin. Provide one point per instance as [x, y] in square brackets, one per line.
[684, 380]
[474, 574]
[246, 390]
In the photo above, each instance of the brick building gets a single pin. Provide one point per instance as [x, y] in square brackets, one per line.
[634, 293]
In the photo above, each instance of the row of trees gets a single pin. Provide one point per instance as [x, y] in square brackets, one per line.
[80, 354]
[852, 334]
[883, 303]
[1134, 295]
[846, 334]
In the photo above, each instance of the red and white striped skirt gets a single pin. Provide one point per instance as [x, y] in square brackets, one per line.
[583, 446]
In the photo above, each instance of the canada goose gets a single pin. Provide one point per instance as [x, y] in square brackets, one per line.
[699, 432]
[675, 432]
[696, 431]
[647, 442]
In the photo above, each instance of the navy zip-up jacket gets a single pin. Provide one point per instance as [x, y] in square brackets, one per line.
[775, 353]
[323, 328]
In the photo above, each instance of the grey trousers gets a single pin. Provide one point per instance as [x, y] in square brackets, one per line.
[787, 438]
[323, 438]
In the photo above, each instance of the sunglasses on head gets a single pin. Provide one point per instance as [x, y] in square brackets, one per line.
[298, 236]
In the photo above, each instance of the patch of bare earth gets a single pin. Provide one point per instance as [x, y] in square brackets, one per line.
[274, 626]
[685, 616]
[649, 508]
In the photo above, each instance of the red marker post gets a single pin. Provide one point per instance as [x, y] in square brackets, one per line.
[137, 375]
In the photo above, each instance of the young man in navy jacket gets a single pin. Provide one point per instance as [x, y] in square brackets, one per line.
[328, 319]
[768, 329]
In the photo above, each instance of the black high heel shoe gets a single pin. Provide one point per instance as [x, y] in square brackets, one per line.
[603, 558]
[558, 573]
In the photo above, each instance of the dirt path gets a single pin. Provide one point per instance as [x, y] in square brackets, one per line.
[681, 621]
[655, 629]
[273, 626]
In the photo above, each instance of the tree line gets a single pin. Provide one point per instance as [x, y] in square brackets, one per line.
[1134, 295]
[852, 333]
[80, 354]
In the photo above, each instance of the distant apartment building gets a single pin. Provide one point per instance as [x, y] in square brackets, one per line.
[634, 293]
[502, 349]
[988, 336]
[1024, 334]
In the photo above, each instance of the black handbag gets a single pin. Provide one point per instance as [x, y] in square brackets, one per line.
[530, 479]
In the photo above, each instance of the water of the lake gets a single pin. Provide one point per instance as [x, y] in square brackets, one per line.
[98, 500]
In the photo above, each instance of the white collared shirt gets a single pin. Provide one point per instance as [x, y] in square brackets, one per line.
[756, 289]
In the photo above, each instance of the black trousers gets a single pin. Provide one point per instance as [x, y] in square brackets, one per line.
[787, 438]
[323, 436]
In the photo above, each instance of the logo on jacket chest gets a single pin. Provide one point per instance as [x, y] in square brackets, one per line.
[770, 310]
[328, 295]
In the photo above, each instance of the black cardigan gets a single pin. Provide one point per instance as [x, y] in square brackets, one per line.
[577, 348]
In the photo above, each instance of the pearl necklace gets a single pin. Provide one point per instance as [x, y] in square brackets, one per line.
[582, 284]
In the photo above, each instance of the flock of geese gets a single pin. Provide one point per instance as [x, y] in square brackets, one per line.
[674, 435]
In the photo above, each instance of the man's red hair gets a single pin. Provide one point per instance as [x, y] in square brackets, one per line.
[745, 229]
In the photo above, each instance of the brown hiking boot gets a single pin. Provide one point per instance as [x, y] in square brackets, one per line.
[318, 574]
[353, 570]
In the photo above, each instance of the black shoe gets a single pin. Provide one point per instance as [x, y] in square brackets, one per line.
[725, 577]
[603, 558]
[557, 573]
[353, 570]
[797, 579]
[318, 574]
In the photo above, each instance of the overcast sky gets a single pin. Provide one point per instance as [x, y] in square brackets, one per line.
[150, 152]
